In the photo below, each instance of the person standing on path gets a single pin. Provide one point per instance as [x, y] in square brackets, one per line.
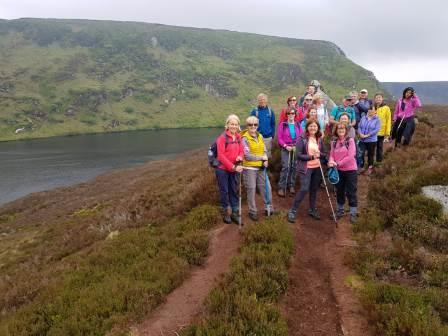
[345, 107]
[266, 121]
[342, 157]
[364, 104]
[351, 132]
[291, 103]
[354, 104]
[404, 123]
[368, 129]
[385, 116]
[310, 90]
[288, 133]
[309, 151]
[229, 153]
[322, 113]
[254, 163]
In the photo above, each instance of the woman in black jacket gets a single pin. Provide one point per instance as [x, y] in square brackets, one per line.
[309, 151]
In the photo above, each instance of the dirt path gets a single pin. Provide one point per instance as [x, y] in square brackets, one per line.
[186, 301]
[318, 300]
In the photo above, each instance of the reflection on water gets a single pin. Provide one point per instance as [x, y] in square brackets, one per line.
[36, 165]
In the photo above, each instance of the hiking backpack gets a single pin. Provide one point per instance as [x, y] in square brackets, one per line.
[269, 112]
[212, 153]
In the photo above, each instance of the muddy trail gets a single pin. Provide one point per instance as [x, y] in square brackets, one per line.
[318, 300]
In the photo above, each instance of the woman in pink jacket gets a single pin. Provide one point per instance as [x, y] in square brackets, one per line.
[230, 155]
[404, 124]
[342, 156]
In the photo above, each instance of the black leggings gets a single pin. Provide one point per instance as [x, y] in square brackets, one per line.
[405, 130]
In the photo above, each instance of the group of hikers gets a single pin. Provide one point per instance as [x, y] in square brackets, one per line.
[314, 135]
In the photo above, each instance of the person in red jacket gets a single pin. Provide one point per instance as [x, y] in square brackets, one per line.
[292, 103]
[230, 155]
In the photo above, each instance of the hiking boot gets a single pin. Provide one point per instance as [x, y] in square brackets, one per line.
[253, 216]
[353, 218]
[292, 216]
[271, 212]
[369, 171]
[281, 192]
[226, 217]
[340, 213]
[292, 191]
[235, 217]
[313, 213]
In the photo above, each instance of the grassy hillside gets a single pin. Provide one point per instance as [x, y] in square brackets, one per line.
[429, 92]
[403, 236]
[78, 76]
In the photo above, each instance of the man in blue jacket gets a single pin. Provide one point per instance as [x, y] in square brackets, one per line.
[266, 121]
[364, 103]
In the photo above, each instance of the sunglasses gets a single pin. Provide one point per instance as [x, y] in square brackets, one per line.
[293, 99]
[252, 125]
[291, 113]
[308, 99]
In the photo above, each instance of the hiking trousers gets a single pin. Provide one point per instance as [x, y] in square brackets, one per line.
[309, 182]
[228, 188]
[347, 187]
[368, 147]
[405, 131]
[254, 179]
[379, 148]
[287, 172]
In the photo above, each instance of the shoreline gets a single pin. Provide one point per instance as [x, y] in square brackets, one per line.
[108, 132]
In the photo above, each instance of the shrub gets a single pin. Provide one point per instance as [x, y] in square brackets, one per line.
[242, 304]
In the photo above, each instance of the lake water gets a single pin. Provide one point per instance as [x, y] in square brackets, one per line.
[42, 164]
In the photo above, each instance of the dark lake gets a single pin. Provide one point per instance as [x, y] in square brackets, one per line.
[42, 164]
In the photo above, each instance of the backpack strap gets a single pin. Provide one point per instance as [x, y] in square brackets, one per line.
[269, 112]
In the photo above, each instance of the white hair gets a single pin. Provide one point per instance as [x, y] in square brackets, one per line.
[261, 96]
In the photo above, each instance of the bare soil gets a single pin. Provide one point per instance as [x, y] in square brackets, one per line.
[319, 300]
[186, 301]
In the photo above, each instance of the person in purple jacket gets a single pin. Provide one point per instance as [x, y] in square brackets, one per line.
[368, 129]
[288, 133]
[404, 123]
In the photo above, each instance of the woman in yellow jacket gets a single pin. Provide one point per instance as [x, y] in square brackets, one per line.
[385, 116]
[254, 163]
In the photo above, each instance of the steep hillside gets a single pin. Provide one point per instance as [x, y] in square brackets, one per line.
[78, 76]
[429, 92]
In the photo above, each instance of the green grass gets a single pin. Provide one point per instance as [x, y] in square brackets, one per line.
[405, 275]
[63, 64]
[120, 278]
[244, 301]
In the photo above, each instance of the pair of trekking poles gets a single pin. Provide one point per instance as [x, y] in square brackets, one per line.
[267, 199]
[291, 160]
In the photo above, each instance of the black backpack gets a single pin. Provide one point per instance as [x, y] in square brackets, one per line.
[212, 154]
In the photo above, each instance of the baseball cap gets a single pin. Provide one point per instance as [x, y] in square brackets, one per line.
[348, 97]
[363, 91]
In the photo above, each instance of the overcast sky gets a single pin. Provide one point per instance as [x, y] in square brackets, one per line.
[398, 40]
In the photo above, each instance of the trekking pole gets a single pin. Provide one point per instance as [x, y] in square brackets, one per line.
[239, 207]
[287, 171]
[328, 194]
[267, 196]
